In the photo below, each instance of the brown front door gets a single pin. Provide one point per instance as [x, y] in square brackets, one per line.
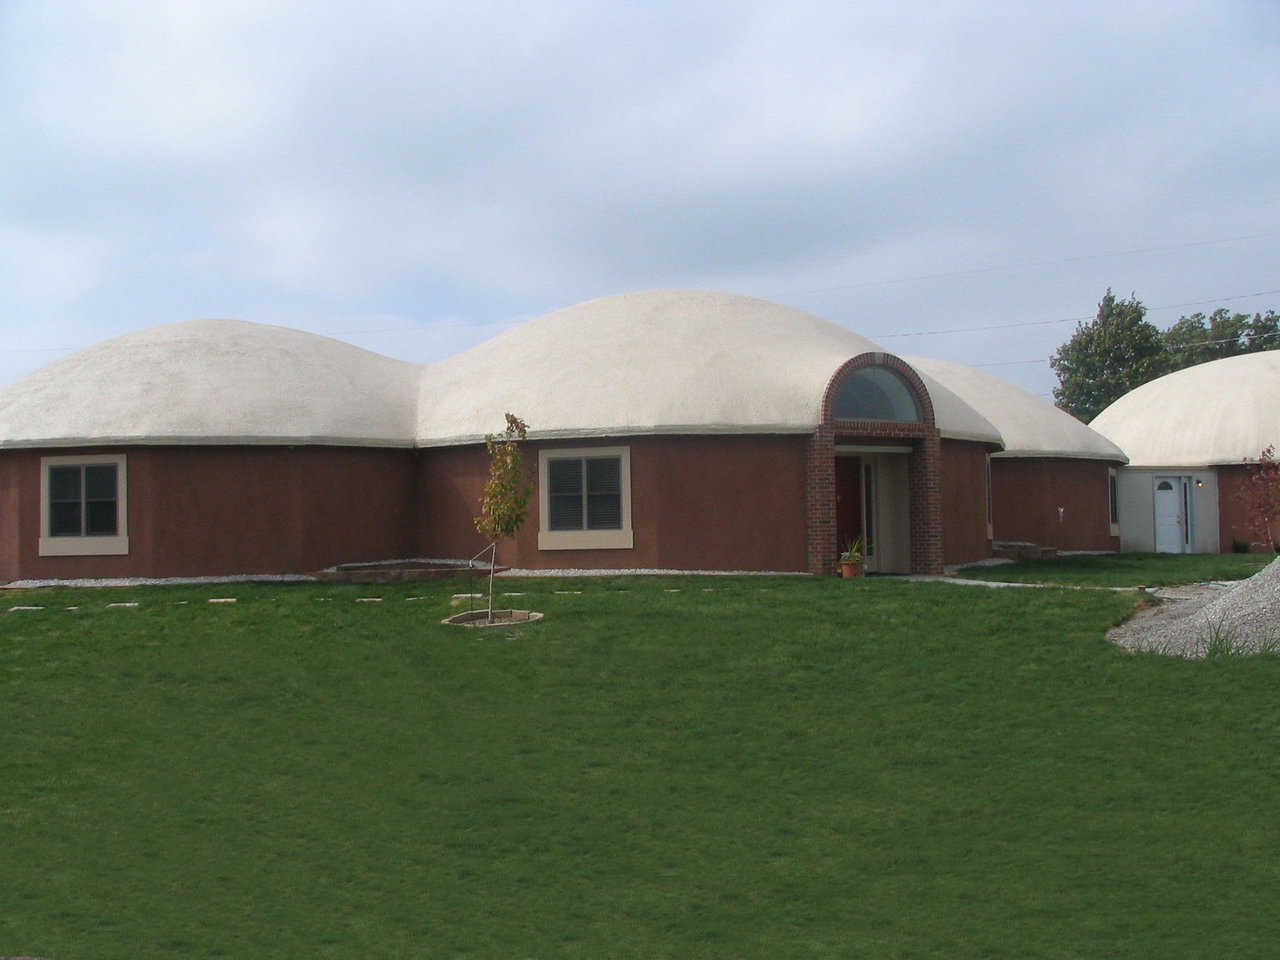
[848, 500]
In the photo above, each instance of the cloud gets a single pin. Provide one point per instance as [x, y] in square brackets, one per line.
[130, 81]
[49, 267]
[483, 159]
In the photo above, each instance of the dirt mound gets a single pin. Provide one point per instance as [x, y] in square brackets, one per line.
[1241, 619]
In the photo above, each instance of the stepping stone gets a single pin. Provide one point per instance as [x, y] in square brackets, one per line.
[670, 589]
[11, 609]
[566, 592]
[415, 598]
[73, 608]
[130, 603]
[510, 594]
[368, 599]
[222, 599]
[466, 596]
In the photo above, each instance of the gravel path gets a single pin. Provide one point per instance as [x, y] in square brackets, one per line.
[1200, 619]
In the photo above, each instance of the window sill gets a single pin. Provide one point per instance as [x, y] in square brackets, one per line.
[585, 540]
[84, 546]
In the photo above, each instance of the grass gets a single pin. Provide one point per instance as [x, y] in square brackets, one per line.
[701, 767]
[1220, 641]
[1125, 569]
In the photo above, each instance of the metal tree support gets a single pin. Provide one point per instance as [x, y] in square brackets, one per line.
[492, 550]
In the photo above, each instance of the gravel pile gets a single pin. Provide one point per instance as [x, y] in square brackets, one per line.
[1244, 618]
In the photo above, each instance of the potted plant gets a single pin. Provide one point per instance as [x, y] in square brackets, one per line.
[851, 558]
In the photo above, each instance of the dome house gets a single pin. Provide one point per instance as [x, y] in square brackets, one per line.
[1189, 436]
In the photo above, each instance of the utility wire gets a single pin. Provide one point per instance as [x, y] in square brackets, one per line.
[1024, 264]
[1044, 323]
[1193, 343]
[882, 336]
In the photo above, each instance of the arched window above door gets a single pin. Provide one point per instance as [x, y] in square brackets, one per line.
[876, 393]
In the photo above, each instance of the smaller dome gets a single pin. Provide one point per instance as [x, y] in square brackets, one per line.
[1222, 412]
[1030, 426]
[213, 381]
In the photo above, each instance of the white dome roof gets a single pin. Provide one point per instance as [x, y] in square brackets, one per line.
[1030, 426]
[681, 362]
[655, 362]
[1222, 412]
[213, 381]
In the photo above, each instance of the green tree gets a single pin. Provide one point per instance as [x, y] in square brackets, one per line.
[1199, 339]
[1107, 357]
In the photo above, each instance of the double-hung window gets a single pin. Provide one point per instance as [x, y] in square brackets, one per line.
[586, 493]
[584, 498]
[83, 508]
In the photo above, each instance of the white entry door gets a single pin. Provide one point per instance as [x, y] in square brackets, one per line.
[1171, 520]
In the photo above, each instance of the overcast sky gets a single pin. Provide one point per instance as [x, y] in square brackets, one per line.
[413, 177]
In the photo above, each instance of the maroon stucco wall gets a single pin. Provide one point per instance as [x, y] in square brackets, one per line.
[10, 515]
[697, 503]
[1026, 494]
[964, 502]
[1233, 519]
[226, 510]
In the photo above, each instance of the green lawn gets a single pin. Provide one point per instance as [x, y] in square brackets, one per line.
[754, 767]
[1125, 569]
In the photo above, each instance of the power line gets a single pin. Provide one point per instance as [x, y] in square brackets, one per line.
[1193, 343]
[1024, 264]
[1045, 323]
[882, 336]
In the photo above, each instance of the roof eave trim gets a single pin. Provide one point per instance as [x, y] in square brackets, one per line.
[701, 429]
[1062, 455]
[1186, 465]
[970, 436]
[184, 440]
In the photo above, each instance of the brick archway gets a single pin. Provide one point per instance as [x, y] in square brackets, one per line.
[923, 468]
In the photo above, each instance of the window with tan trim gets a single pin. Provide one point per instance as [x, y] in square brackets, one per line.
[84, 510]
[584, 499]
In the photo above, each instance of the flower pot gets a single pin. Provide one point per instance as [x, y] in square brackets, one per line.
[850, 569]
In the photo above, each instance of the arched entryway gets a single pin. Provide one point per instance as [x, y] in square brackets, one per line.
[873, 469]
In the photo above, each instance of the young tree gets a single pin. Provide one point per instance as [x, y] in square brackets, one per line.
[1107, 357]
[1260, 496]
[505, 502]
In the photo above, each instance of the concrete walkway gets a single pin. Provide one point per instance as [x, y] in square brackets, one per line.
[1001, 584]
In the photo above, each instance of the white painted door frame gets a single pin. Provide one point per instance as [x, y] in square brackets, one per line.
[1172, 514]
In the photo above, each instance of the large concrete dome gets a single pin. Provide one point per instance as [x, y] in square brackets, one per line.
[214, 382]
[1030, 426]
[1216, 413]
[658, 362]
[664, 362]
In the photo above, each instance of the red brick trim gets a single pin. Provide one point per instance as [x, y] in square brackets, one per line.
[923, 469]
[898, 366]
